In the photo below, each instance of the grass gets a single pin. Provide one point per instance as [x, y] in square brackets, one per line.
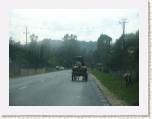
[117, 86]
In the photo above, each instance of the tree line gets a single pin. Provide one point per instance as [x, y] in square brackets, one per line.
[102, 53]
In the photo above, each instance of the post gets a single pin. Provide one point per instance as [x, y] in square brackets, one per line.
[123, 23]
[26, 33]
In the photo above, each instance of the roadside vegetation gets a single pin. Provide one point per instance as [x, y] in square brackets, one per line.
[116, 84]
[46, 54]
[116, 60]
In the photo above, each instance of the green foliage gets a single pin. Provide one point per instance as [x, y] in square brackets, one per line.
[116, 58]
[117, 85]
[104, 49]
[103, 42]
[50, 53]
[69, 49]
[42, 54]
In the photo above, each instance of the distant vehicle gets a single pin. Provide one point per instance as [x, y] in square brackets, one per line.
[59, 68]
[79, 69]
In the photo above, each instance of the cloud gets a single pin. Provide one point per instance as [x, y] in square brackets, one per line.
[86, 24]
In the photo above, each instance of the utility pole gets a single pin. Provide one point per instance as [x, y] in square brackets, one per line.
[26, 33]
[123, 23]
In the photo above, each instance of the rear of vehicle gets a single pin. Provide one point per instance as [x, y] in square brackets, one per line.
[79, 69]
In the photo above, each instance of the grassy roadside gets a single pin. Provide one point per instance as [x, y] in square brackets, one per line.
[115, 84]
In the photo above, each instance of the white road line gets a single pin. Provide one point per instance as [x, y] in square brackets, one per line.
[23, 87]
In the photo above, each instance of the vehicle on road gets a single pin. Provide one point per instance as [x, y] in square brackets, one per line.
[59, 68]
[79, 69]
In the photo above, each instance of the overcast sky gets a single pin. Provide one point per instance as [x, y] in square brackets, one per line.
[86, 24]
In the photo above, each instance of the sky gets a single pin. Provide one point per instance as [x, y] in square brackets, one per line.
[87, 24]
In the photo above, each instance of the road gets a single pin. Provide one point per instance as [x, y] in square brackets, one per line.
[54, 89]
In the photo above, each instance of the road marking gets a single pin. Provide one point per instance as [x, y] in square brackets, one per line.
[23, 87]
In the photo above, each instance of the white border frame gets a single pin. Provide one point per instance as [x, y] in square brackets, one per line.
[8, 5]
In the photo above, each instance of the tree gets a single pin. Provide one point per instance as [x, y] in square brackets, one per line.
[69, 49]
[128, 58]
[103, 49]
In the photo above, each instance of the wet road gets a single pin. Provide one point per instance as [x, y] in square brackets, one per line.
[54, 89]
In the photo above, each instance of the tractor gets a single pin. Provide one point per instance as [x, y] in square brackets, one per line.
[79, 69]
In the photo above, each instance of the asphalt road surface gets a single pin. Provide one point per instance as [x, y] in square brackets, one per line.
[55, 89]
